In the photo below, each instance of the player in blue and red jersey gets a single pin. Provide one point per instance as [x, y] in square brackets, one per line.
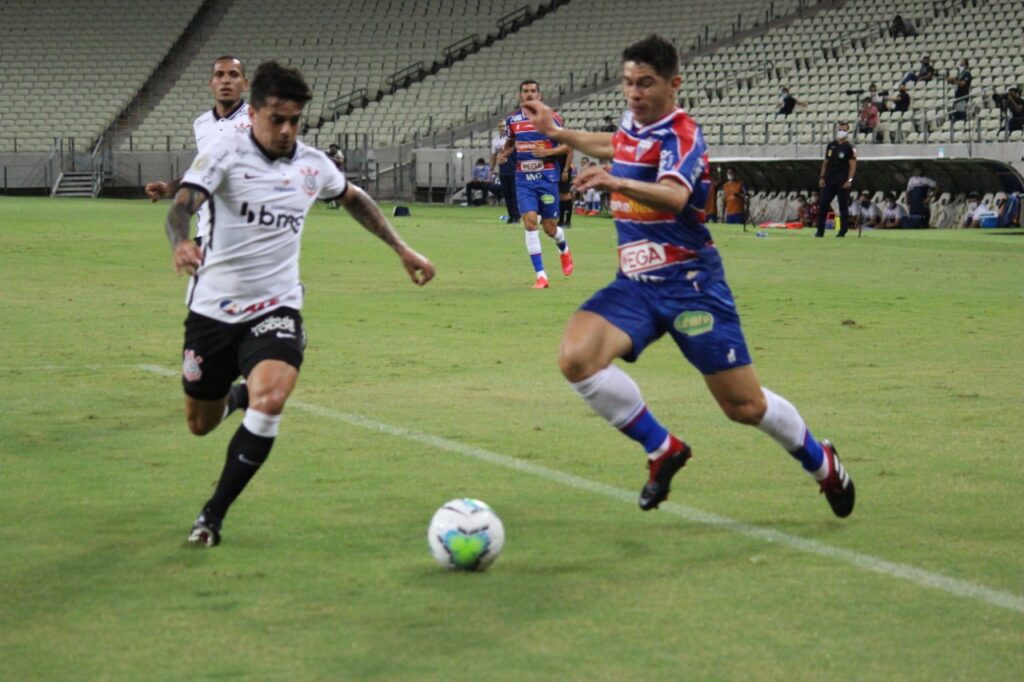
[537, 176]
[670, 280]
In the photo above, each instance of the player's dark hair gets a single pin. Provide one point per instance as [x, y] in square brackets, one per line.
[273, 80]
[655, 52]
[225, 58]
[529, 82]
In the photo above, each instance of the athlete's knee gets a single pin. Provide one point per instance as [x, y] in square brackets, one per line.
[270, 401]
[749, 412]
[200, 425]
[576, 363]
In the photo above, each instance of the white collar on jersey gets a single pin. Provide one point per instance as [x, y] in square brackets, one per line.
[629, 124]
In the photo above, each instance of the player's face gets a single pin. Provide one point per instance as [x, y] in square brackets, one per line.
[227, 82]
[275, 125]
[529, 93]
[649, 96]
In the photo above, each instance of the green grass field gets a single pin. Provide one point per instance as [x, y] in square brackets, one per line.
[902, 347]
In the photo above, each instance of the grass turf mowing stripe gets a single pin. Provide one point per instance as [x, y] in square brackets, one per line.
[929, 579]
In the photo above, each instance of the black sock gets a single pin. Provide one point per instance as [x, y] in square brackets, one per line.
[238, 397]
[246, 453]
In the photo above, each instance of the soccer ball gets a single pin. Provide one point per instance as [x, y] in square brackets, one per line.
[465, 535]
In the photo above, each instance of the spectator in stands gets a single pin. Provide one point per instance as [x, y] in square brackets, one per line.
[877, 98]
[867, 119]
[609, 125]
[921, 190]
[864, 213]
[838, 170]
[735, 199]
[1014, 109]
[901, 101]
[787, 103]
[961, 91]
[505, 165]
[481, 181]
[902, 28]
[892, 213]
[925, 73]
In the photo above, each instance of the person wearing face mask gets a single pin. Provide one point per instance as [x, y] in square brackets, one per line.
[961, 91]
[836, 178]
[735, 198]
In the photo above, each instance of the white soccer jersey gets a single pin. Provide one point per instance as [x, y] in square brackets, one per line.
[210, 127]
[258, 207]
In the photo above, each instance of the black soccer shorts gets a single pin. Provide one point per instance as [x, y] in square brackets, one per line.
[216, 353]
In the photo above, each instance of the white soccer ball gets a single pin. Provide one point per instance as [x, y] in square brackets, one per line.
[465, 535]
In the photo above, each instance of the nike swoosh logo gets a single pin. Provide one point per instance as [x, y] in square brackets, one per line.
[248, 177]
[244, 460]
[285, 335]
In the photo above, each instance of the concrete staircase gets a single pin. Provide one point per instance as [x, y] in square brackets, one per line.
[77, 184]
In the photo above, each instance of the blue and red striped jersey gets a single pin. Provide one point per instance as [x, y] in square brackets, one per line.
[652, 240]
[528, 140]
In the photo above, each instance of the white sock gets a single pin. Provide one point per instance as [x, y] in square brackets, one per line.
[782, 422]
[532, 242]
[559, 236]
[260, 424]
[612, 394]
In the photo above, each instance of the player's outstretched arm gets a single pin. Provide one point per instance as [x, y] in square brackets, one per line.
[364, 209]
[187, 255]
[163, 189]
[591, 144]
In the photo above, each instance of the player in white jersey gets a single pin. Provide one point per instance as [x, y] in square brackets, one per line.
[244, 296]
[228, 119]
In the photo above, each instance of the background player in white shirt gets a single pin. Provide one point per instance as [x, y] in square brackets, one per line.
[229, 118]
[244, 296]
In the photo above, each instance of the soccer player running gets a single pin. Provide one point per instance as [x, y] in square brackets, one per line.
[537, 177]
[670, 280]
[244, 295]
[228, 119]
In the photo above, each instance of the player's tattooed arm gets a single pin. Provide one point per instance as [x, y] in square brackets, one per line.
[364, 209]
[187, 255]
[162, 189]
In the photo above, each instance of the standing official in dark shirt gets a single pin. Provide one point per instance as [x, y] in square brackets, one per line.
[837, 173]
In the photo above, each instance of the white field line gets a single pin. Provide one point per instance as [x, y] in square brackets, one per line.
[867, 562]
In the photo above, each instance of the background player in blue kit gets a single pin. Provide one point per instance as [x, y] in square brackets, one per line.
[670, 280]
[537, 175]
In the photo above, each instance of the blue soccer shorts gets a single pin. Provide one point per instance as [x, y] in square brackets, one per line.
[539, 196]
[704, 324]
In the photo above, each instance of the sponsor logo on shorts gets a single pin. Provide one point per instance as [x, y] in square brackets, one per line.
[273, 324]
[530, 177]
[547, 198]
[531, 166]
[190, 368]
[695, 323]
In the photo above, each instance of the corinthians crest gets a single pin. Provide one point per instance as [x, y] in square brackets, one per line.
[309, 180]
